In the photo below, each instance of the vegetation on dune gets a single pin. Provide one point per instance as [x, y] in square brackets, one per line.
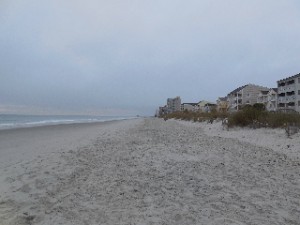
[196, 116]
[254, 116]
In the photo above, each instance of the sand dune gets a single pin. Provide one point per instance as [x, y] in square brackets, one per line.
[150, 171]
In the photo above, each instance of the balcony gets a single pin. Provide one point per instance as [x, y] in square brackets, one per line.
[272, 99]
[291, 98]
[281, 89]
[282, 99]
[291, 107]
[291, 87]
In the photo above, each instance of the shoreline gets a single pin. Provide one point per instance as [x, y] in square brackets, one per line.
[24, 143]
[51, 123]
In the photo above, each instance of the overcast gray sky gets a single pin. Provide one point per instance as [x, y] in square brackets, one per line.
[128, 57]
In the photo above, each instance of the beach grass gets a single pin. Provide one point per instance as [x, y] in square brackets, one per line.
[247, 116]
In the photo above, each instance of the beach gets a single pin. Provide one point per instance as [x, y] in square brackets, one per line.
[149, 171]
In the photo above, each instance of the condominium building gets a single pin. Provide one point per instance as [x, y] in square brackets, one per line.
[289, 93]
[245, 95]
[174, 104]
[269, 99]
[189, 107]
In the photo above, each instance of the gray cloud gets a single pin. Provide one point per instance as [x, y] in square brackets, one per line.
[132, 55]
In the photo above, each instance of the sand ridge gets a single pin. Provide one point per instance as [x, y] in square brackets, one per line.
[157, 172]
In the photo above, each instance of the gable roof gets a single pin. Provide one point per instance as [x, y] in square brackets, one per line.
[275, 89]
[238, 89]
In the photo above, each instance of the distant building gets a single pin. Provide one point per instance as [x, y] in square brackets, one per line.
[162, 111]
[205, 106]
[174, 104]
[222, 104]
[269, 99]
[244, 95]
[289, 93]
[189, 107]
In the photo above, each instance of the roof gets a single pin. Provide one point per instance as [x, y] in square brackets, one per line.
[242, 87]
[193, 104]
[204, 103]
[275, 89]
[264, 92]
[238, 89]
[292, 77]
[222, 99]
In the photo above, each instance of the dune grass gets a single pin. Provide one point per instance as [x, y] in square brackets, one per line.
[255, 115]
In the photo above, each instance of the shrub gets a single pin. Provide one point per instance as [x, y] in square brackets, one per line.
[248, 116]
[257, 115]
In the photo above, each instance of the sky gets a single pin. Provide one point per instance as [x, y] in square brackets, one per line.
[126, 57]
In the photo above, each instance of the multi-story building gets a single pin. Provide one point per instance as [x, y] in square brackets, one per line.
[162, 110]
[269, 99]
[289, 93]
[205, 106]
[189, 107]
[174, 104]
[222, 104]
[245, 95]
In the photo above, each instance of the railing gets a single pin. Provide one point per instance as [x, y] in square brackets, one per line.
[282, 99]
[281, 89]
[291, 98]
[272, 99]
[286, 99]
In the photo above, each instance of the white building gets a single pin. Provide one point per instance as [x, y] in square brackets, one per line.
[245, 95]
[206, 106]
[174, 104]
[289, 93]
[269, 99]
[222, 104]
[189, 107]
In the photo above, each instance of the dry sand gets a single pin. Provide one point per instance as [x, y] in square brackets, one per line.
[148, 171]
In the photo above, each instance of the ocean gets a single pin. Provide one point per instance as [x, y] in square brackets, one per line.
[8, 121]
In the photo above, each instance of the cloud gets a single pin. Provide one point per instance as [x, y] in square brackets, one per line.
[78, 54]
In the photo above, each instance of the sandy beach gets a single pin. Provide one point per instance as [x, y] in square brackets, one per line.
[149, 171]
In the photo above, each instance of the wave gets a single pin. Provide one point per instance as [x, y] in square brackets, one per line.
[19, 121]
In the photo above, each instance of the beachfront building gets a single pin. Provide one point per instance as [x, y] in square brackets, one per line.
[244, 95]
[222, 104]
[268, 98]
[205, 106]
[189, 107]
[162, 110]
[174, 104]
[289, 94]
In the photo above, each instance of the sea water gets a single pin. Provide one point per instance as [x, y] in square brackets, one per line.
[16, 121]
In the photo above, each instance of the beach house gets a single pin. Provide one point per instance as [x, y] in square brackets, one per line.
[244, 95]
[289, 94]
[268, 98]
[206, 106]
[222, 104]
[189, 107]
